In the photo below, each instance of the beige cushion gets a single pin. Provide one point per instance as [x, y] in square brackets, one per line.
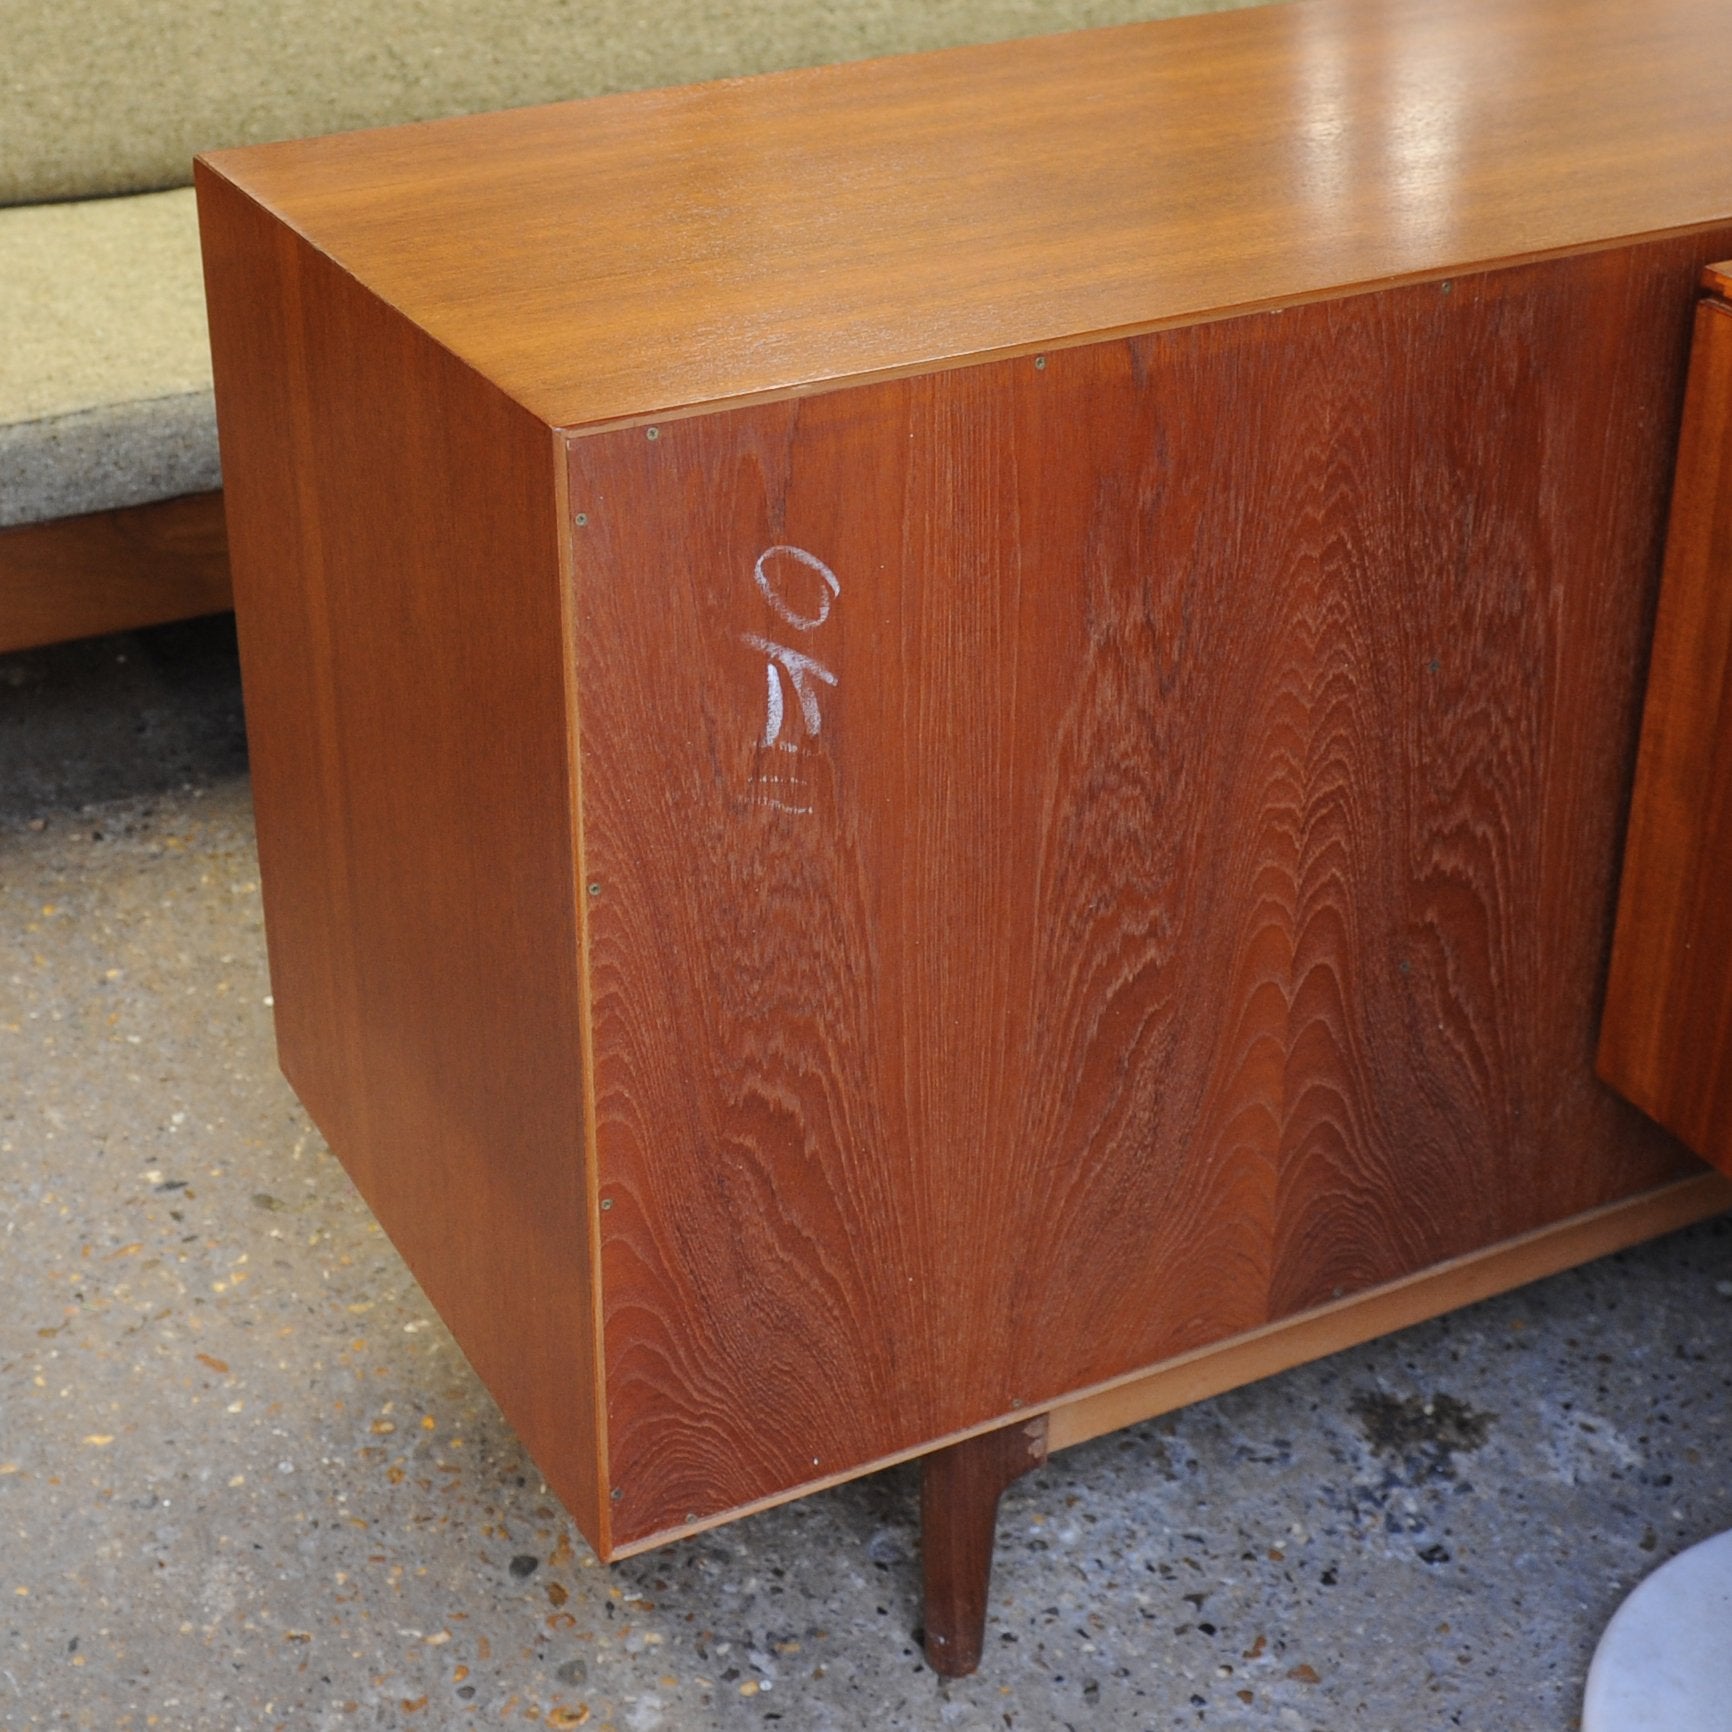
[105, 392]
[109, 96]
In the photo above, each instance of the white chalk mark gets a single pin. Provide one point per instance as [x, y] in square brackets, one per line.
[772, 705]
[800, 670]
[801, 674]
[799, 621]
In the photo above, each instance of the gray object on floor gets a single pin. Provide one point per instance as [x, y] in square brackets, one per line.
[246, 1480]
[1664, 1664]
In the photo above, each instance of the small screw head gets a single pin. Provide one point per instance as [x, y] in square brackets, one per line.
[1446, 286]
[1040, 362]
[1016, 1401]
[582, 519]
[616, 1494]
[607, 1202]
[595, 888]
[652, 432]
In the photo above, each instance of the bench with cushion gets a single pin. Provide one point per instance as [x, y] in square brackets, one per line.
[110, 516]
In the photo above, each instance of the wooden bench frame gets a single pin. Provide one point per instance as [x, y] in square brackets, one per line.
[113, 571]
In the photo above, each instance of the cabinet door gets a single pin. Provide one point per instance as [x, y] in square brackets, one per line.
[1666, 1041]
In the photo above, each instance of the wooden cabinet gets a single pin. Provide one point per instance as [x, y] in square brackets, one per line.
[1667, 1039]
[941, 746]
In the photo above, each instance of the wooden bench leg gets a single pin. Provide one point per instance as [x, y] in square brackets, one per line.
[959, 1492]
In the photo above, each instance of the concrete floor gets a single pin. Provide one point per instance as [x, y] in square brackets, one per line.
[247, 1481]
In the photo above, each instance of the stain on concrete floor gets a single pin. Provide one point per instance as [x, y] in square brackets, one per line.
[247, 1481]
[1434, 1427]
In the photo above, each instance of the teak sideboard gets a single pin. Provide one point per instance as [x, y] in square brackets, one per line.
[941, 746]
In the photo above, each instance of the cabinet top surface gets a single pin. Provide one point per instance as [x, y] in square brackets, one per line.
[638, 255]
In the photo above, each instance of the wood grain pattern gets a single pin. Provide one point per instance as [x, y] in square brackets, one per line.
[1193, 902]
[1348, 1322]
[403, 652]
[1666, 1042]
[1329, 1328]
[633, 255]
[113, 571]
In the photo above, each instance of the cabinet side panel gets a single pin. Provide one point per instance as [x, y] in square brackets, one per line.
[394, 528]
[1095, 857]
[1667, 1038]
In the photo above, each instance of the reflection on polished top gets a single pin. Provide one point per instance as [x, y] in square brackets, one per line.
[640, 254]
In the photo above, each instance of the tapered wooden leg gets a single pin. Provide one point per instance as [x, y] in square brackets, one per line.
[959, 1492]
